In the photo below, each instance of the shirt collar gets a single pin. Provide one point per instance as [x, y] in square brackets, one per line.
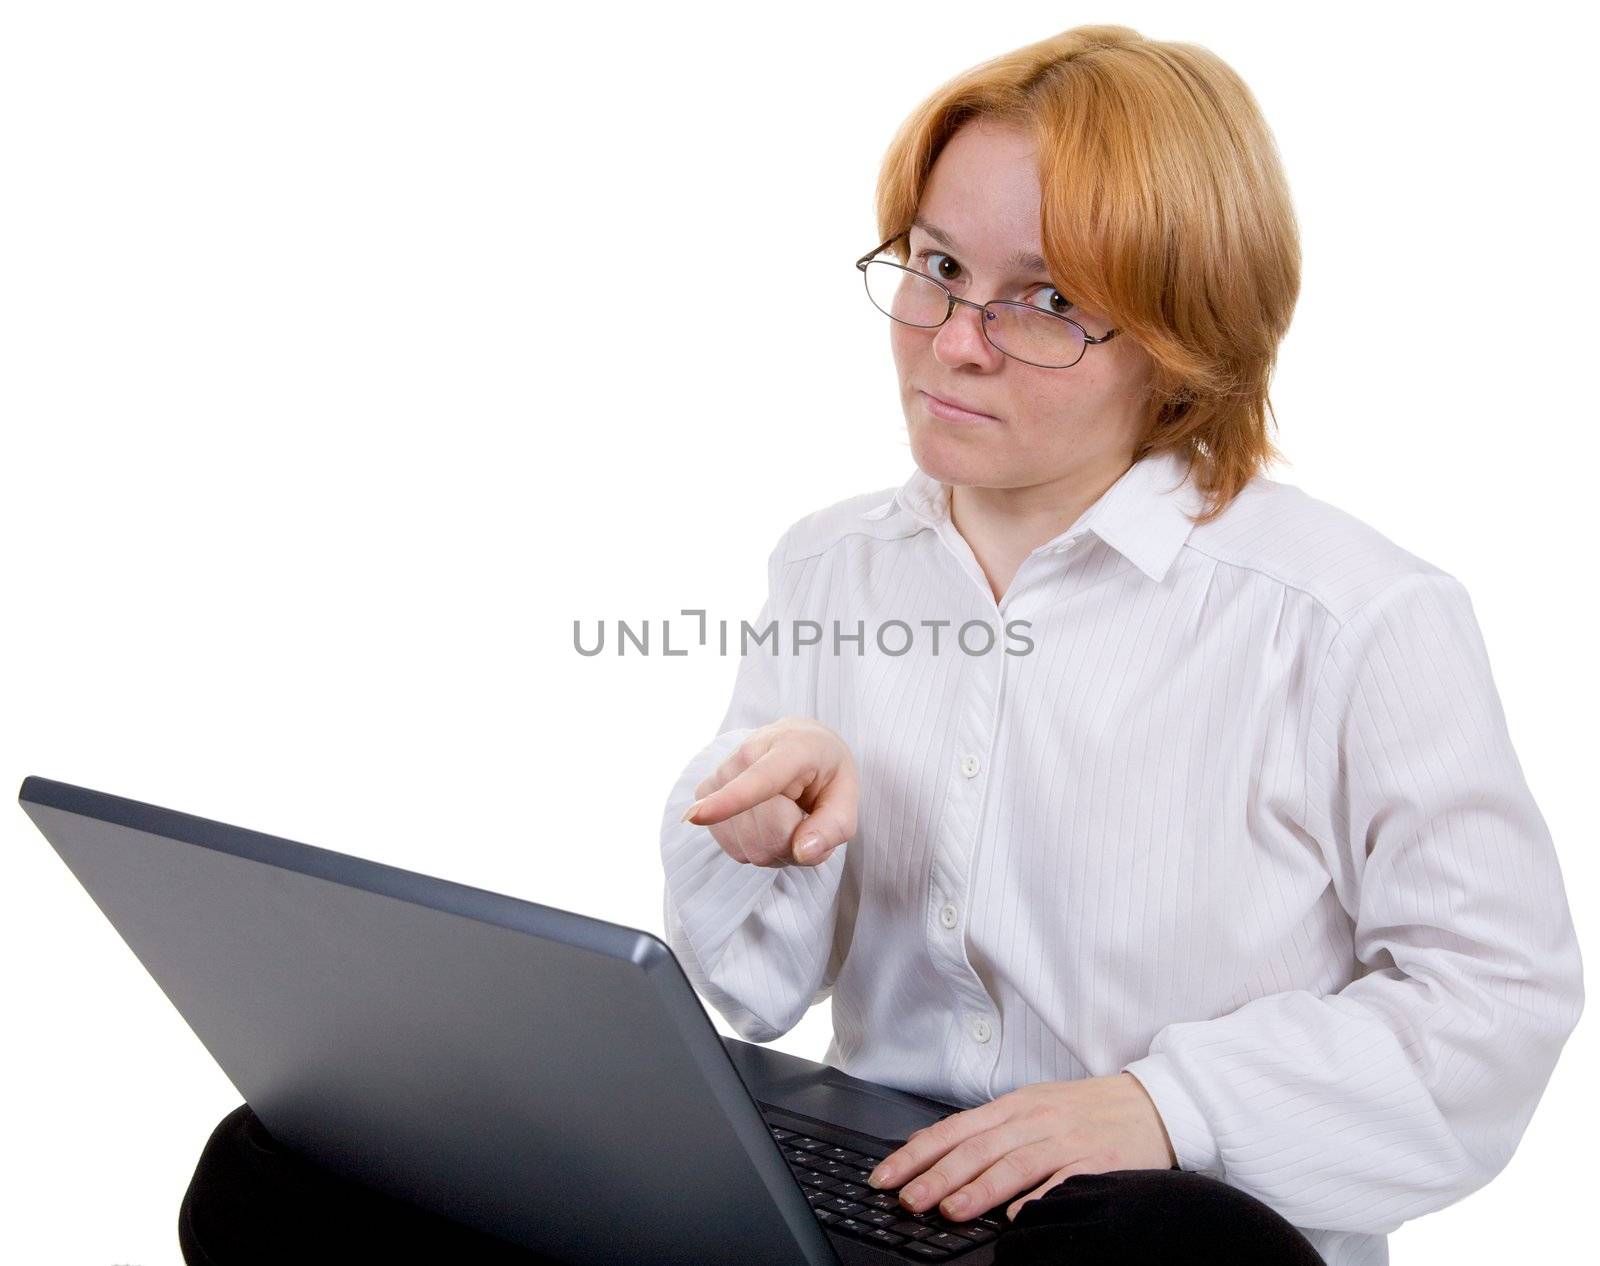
[1144, 516]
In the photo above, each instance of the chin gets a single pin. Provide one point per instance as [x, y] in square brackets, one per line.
[949, 461]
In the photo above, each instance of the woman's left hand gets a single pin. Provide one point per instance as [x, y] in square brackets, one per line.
[1028, 1140]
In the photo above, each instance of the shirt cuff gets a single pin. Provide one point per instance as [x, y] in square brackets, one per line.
[1191, 1136]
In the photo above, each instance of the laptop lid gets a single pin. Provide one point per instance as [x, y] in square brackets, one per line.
[531, 1072]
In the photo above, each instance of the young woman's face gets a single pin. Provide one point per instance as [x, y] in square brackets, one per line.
[982, 199]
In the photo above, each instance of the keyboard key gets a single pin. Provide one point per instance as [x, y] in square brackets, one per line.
[911, 1230]
[977, 1234]
[824, 1217]
[872, 1234]
[841, 1206]
[852, 1191]
[781, 1134]
[944, 1240]
[846, 1155]
[922, 1249]
[877, 1217]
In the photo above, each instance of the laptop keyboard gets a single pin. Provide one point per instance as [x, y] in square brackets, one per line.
[835, 1182]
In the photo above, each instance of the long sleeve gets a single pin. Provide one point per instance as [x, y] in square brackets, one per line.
[756, 941]
[1412, 1086]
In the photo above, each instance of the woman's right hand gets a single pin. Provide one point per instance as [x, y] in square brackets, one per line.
[787, 782]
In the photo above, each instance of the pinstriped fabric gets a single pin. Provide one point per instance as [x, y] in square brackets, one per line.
[1245, 821]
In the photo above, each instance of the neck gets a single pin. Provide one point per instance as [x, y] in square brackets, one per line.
[1004, 525]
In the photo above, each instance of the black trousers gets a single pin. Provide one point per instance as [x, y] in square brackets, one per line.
[252, 1201]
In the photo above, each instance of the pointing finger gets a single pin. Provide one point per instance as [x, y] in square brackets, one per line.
[766, 777]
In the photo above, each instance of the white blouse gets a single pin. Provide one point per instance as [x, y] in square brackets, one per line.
[1233, 808]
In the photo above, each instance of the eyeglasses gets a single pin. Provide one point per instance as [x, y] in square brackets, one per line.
[1020, 330]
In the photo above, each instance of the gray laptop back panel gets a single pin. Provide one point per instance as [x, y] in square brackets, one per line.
[540, 1075]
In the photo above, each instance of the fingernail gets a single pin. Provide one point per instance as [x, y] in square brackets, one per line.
[956, 1204]
[689, 812]
[878, 1177]
[914, 1193]
[810, 845]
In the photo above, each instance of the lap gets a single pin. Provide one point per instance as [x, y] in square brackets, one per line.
[1141, 1217]
[252, 1200]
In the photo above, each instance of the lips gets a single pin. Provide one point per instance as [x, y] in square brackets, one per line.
[943, 406]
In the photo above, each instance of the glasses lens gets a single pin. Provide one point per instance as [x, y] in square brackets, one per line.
[1033, 335]
[1018, 329]
[904, 295]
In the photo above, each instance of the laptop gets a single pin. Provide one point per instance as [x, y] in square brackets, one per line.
[542, 1076]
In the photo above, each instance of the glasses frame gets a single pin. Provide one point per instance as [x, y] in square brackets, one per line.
[1089, 340]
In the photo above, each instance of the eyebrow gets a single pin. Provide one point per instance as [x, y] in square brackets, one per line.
[1021, 260]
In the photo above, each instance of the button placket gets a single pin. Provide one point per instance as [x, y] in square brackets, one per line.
[971, 1060]
[983, 1052]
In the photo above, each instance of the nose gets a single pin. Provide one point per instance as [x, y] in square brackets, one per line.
[961, 340]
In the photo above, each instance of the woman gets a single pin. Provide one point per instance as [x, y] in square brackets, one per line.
[1199, 844]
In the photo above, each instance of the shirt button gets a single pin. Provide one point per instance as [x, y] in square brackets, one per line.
[947, 916]
[980, 1030]
[969, 766]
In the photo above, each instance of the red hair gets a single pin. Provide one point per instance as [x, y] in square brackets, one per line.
[1164, 207]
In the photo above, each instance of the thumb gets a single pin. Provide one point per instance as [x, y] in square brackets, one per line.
[828, 826]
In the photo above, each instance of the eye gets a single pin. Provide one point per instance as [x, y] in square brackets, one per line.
[936, 271]
[1057, 302]
[947, 270]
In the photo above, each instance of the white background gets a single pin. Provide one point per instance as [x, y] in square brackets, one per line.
[349, 353]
